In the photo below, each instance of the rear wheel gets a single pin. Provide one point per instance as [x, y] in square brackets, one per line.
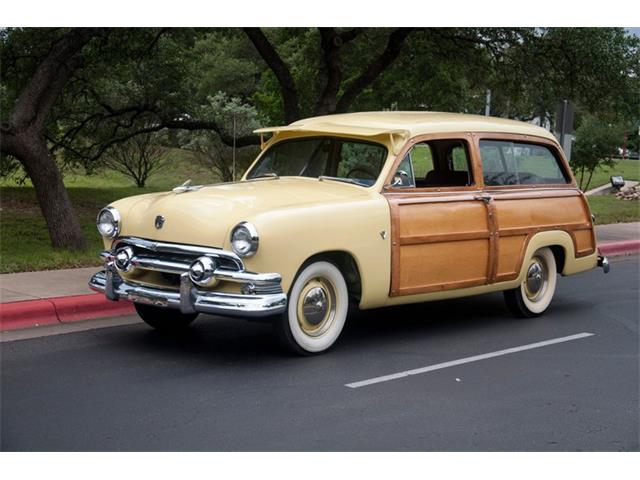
[316, 311]
[164, 319]
[535, 293]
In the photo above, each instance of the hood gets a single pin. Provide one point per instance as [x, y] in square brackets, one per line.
[207, 215]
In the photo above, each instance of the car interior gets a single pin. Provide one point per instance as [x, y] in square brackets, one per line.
[437, 163]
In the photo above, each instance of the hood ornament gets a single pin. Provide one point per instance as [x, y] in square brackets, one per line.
[186, 187]
[159, 222]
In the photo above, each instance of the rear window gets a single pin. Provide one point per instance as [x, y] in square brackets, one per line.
[517, 163]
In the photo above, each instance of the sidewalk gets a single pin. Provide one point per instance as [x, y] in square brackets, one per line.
[61, 296]
[618, 232]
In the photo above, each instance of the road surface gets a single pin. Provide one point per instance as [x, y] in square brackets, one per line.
[481, 380]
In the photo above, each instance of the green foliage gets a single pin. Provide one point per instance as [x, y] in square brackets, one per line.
[210, 151]
[596, 141]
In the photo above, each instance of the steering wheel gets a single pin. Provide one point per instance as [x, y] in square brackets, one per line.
[361, 169]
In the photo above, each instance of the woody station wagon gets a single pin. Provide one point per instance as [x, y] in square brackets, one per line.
[373, 209]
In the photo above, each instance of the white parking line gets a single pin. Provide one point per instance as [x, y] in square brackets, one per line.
[475, 358]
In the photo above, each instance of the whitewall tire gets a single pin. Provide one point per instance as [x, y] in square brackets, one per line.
[316, 311]
[536, 291]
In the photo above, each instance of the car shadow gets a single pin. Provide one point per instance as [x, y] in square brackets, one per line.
[224, 339]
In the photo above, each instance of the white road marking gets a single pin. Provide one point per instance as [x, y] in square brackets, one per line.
[461, 361]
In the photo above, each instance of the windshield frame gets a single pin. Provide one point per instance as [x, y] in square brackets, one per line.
[351, 139]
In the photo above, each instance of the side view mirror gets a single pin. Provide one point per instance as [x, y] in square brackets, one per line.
[399, 178]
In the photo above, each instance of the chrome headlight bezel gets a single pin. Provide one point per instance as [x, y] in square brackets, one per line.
[116, 222]
[247, 233]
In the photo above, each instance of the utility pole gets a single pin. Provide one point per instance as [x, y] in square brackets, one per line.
[233, 168]
[563, 121]
[487, 103]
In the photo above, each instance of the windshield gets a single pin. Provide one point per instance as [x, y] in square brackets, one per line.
[330, 158]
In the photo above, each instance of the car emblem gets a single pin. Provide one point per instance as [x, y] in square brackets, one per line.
[159, 222]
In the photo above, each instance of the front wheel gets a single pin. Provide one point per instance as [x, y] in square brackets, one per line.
[316, 311]
[164, 319]
[535, 293]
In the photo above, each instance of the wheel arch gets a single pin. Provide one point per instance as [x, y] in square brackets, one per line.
[558, 241]
[347, 264]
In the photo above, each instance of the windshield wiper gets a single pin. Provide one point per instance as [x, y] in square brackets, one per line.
[344, 180]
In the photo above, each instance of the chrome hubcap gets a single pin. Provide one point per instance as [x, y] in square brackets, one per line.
[537, 279]
[316, 307]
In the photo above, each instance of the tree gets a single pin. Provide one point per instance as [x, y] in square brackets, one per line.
[71, 94]
[138, 158]
[23, 135]
[596, 141]
[331, 99]
[211, 151]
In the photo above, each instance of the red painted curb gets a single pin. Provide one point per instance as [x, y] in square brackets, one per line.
[28, 313]
[76, 308]
[626, 247]
[88, 307]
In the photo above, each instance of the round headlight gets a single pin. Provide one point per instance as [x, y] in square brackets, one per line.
[108, 222]
[244, 239]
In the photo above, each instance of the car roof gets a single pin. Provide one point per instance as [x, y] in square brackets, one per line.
[409, 123]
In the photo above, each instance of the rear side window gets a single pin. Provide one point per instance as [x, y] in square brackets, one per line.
[516, 163]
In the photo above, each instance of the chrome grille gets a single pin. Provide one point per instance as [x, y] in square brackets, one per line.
[171, 260]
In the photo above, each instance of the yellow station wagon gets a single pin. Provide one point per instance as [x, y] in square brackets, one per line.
[373, 209]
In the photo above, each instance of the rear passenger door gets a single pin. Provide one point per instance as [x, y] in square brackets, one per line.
[441, 227]
[531, 189]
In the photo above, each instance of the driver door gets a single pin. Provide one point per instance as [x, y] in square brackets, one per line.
[442, 225]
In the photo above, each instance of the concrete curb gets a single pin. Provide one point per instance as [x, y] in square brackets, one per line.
[49, 311]
[613, 249]
[76, 308]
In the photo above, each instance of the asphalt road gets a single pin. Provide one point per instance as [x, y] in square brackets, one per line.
[226, 386]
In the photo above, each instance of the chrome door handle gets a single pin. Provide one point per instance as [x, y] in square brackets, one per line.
[484, 198]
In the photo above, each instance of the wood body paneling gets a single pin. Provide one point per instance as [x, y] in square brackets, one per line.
[445, 239]
[439, 242]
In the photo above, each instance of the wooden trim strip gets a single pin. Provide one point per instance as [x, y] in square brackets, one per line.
[568, 227]
[494, 243]
[395, 244]
[439, 287]
[442, 237]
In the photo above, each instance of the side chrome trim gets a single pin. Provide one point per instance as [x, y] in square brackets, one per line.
[189, 299]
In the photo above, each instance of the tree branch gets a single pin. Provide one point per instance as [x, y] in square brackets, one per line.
[330, 42]
[375, 68]
[46, 84]
[287, 85]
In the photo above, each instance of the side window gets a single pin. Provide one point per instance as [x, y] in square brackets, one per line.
[437, 163]
[459, 159]
[516, 163]
[422, 159]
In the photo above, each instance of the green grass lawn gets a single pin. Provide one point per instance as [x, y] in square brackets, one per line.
[629, 169]
[24, 240]
[609, 209]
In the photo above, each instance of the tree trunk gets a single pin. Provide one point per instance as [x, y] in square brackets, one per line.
[62, 221]
[586, 187]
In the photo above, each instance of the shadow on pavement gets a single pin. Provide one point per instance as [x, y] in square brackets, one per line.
[226, 339]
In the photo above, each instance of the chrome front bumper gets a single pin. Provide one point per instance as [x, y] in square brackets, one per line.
[188, 299]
